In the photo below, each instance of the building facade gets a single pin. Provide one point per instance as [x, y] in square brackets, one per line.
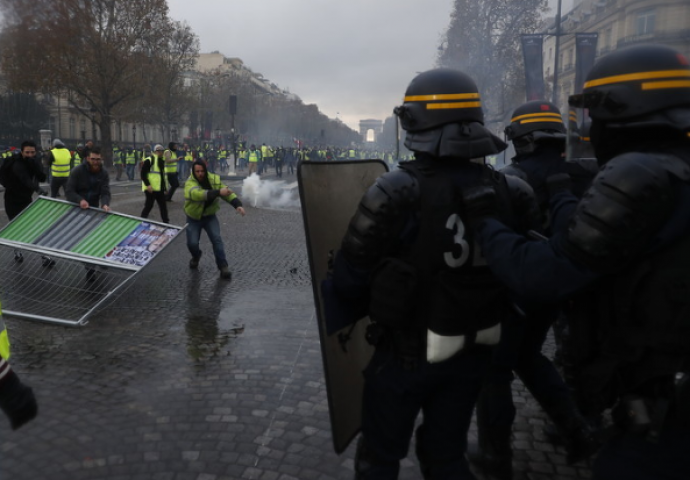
[619, 23]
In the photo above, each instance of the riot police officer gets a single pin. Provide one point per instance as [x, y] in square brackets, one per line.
[435, 308]
[623, 261]
[539, 137]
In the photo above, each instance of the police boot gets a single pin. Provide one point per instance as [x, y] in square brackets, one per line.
[493, 454]
[571, 430]
[370, 466]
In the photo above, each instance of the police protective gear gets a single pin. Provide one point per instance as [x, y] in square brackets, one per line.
[329, 192]
[644, 88]
[447, 277]
[533, 123]
[443, 117]
[634, 83]
[637, 190]
[58, 143]
[537, 115]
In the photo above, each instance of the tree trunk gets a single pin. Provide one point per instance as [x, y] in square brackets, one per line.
[106, 141]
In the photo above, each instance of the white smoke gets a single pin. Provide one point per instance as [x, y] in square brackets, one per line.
[269, 193]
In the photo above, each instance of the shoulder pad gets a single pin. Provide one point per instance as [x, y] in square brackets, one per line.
[627, 203]
[517, 185]
[379, 217]
[398, 187]
[639, 176]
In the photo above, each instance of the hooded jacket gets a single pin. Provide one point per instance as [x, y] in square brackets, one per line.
[202, 199]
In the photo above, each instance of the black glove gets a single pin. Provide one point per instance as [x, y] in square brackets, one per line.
[558, 183]
[17, 400]
[480, 204]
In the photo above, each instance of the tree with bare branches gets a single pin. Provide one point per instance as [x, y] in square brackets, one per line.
[483, 40]
[106, 56]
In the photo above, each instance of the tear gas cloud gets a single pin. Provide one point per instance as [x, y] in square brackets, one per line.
[269, 193]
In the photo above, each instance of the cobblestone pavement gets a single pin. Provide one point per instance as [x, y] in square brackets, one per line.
[189, 377]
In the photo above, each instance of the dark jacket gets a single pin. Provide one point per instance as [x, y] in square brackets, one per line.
[25, 176]
[92, 187]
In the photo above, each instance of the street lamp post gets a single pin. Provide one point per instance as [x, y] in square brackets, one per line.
[134, 136]
[554, 100]
[234, 144]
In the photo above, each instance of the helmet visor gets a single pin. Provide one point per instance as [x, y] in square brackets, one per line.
[579, 145]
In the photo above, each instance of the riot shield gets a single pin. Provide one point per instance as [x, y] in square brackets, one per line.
[329, 193]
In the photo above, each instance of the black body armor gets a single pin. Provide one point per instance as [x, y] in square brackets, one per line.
[630, 333]
[429, 274]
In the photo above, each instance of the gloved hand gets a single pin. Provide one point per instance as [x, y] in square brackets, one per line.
[480, 204]
[558, 183]
[17, 400]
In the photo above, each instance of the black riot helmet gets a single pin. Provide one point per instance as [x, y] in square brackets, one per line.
[537, 115]
[443, 117]
[645, 88]
[634, 82]
[438, 97]
[535, 123]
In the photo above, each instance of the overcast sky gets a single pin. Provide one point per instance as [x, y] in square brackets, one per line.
[353, 58]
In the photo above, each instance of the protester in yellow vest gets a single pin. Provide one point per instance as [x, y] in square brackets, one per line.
[130, 163]
[170, 157]
[202, 192]
[154, 183]
[188, 160]
[253, 159]
[60, 160]
[17, 400]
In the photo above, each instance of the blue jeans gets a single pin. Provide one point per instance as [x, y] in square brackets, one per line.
[211, 225]
[129, 168]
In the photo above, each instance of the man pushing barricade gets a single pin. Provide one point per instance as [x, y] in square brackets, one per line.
[409, 259]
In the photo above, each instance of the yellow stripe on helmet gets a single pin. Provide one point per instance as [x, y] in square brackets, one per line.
[540, 114]
[535, 120]
[666, 84]
[441, 96]
[631, 77]
[443, 106]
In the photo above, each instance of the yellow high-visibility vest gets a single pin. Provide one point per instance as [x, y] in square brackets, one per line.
[4, 340]
[171, 167]
[63, 162]
[155, 175]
